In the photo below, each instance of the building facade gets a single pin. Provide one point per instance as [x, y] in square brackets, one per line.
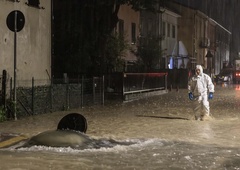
[201, 36]
[163, 25]
[172, 56]
[32, 46]
[128, 26]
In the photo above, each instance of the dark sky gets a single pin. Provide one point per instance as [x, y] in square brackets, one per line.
[225, 12]
[219, 10]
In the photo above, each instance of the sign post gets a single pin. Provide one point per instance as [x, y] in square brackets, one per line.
[15, 22]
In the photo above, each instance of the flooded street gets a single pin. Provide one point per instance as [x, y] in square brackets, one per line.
[160, 133]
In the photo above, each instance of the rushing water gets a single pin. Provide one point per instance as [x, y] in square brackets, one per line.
[148, 134]
[144, 154]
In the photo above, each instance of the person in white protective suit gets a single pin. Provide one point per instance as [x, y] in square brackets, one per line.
[200, 90]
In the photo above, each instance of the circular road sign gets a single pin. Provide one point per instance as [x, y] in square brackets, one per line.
[18, 17]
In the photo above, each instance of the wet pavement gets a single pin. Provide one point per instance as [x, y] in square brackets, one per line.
[161, 131]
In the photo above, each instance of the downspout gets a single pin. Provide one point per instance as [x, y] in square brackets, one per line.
[194, 40]
[51, 51]
[160, 32]
[52, 35]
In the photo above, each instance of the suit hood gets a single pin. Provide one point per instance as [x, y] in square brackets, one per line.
[200, 68]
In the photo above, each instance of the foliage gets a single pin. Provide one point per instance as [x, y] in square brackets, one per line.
[116, 47]
[82, 28]
[149, 53]
[2, 114]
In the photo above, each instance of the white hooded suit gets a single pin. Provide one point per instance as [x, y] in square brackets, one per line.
[200, 85]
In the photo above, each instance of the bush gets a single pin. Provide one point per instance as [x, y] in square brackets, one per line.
[2, 114]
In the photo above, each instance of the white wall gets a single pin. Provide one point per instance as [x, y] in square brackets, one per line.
[169, 43]
[33, 41]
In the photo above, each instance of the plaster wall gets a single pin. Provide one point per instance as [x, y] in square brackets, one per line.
[33, 44]
[129, 16]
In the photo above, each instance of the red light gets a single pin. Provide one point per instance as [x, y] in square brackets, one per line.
[237, 88]
[237, 74]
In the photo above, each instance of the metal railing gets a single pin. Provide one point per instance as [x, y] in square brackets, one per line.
[131, 86]
[57, 95]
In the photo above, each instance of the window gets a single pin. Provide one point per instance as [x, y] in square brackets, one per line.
[34, 3]
[173, 31]
[133, 33]
[168, 30]
[163, 28]
[14, 0]
[150, 26]
[121, 27]
[196, 26]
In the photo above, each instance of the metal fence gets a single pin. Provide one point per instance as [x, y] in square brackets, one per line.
[130, 86]
[45, 96]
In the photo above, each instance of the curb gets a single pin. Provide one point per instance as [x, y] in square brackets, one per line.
[7, 139]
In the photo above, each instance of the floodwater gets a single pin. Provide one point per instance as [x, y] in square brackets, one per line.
[157, 133]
